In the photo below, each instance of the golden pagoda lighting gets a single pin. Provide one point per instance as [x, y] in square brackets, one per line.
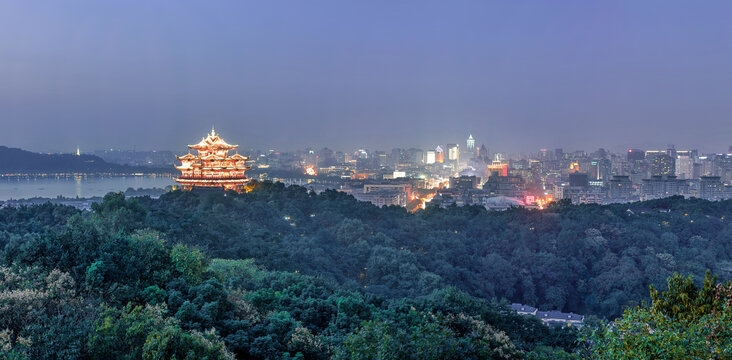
[212, 167]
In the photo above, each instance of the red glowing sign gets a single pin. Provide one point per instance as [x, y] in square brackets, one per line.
[529, 199]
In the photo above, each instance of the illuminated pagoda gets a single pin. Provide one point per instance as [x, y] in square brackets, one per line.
[213, 167]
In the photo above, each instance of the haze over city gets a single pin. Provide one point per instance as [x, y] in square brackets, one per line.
[340, 180]
[518, 76]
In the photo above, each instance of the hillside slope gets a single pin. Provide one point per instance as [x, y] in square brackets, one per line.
[13, 160]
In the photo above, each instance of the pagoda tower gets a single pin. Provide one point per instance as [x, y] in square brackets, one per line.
[212, 167]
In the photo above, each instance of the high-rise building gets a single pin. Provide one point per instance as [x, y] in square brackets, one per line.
[453, 152]
[706, 164]
[497, 168]
[577, 179]
[439, 154]
[599, 170]
[595, 170]
[414, 156]
[535, 171]
[381, 158]
[429, 157]
[684, 165]
[636, 155]
[396, 156]
[558, 154]
[544, 154]
[471, 143]
[483, 153]
[662, 164]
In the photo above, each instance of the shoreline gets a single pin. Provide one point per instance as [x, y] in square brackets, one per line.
[74, 174]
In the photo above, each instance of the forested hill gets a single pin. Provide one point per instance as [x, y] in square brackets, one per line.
[13, 160]
[328, 276]
[588, 259]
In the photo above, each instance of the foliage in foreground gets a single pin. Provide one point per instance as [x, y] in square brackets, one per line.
[684, 322]
[82, 292]
[327, 277]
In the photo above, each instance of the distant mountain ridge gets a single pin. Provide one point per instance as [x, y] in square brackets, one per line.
[14, 160]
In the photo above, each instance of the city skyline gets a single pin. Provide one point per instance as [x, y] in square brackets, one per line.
[329, 179]
[355, 148]
[517, 76]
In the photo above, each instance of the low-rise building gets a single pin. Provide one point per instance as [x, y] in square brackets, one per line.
[711, 188]
[550, 318]
[621, 189]
[383, 197]
[510, 186]
[464, 182]
[500, 203]
[658, 186]
[524, 309]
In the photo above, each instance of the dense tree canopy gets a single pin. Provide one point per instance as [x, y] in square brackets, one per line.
[588, 259]
[684, 322]
[280, 273]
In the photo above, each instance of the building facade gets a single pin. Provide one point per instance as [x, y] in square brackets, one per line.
[212, 166]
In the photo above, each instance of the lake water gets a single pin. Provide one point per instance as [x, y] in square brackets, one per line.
[17, 187]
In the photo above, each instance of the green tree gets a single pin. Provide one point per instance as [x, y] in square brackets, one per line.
[683, 301]
[173, 343]
[189, 262]
[682, 323]
[137, 332]
[428, 336]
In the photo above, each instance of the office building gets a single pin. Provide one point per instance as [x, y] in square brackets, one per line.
[621, 188]
[464, 182]
[663, 186]
[429, 157]
[509, 185]
[711, 188]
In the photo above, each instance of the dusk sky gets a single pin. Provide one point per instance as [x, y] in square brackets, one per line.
[518, 75]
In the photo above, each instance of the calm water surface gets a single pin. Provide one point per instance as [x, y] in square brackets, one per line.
[73, 186]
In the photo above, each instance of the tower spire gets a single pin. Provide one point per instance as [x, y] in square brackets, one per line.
[212, 131]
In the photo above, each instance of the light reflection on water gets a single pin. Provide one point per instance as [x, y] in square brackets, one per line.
[24, 187]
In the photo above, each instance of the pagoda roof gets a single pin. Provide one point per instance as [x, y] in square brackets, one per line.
[213, 157]
[239, 157]
[188, 156]
[212, 141]
[224, 167]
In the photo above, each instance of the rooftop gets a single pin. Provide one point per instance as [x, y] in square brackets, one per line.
[213, 141]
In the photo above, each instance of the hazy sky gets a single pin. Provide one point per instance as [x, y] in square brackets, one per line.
[518, 75]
